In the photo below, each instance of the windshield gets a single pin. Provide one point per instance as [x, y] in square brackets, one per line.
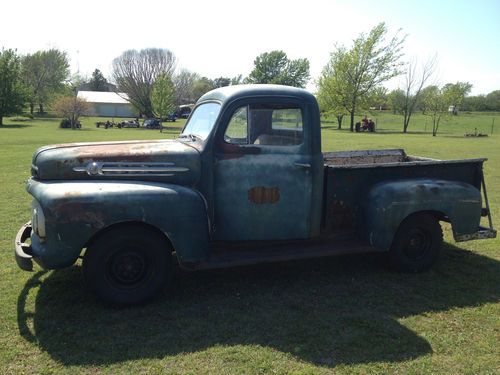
[202, 120]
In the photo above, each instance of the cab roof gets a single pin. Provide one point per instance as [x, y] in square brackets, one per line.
[230, 93]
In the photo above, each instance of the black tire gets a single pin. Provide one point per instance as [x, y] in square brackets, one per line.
[417, 243]
[128, 265]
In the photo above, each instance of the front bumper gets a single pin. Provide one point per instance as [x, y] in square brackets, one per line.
[23, 251]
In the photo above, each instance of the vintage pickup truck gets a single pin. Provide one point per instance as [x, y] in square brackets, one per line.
[245, 182]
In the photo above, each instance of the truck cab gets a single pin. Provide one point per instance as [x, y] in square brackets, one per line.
[245, 182]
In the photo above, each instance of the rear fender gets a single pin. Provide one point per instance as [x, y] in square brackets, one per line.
[389, 203]
[75, 212]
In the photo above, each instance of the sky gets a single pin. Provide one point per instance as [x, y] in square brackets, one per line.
[222, 38]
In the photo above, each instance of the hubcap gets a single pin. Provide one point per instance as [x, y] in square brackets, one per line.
[419, 243]
[127, 268]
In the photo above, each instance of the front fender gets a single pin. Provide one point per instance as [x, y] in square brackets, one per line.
[389, 203]
[77, 211]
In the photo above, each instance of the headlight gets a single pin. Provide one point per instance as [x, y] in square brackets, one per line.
[37, 219]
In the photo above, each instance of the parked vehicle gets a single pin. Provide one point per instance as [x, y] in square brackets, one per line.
[170, 118]
[184, 110]
[128, 124]
[105, 124]
[152, 123]
[245, 182]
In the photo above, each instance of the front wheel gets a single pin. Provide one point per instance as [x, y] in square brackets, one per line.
[127, 265]
[417, 243]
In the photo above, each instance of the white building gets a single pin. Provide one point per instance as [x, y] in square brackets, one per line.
[108, 104]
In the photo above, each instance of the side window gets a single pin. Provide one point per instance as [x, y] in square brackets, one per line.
[236, 131]
[266, 125]
[279, 125]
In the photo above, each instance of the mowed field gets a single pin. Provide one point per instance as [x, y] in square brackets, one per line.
[341, 315]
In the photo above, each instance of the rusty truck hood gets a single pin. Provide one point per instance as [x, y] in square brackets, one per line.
[163, 160]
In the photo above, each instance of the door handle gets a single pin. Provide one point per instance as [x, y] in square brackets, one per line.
[303, 165]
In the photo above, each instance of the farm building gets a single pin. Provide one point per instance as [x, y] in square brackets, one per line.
[108, 104]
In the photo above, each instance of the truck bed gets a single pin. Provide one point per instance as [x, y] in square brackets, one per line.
[381, 158]
[350, 175]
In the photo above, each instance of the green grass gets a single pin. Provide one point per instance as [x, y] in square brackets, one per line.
[341, 315]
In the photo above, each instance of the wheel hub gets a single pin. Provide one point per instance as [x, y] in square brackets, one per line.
[419, 243]
[127, 268]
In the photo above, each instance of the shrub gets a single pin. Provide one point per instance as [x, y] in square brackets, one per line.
[66, 124]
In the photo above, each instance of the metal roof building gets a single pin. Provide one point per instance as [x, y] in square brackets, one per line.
[108, 104]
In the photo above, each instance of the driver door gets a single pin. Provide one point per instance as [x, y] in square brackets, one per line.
[262, 176]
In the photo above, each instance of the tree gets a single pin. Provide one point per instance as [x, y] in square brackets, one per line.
[275, 67]
[135, 73]
[396, 100]
[454, 94]
[183, 84]
[221, 82]
[237, 80]
[356, 72]
[330, 97]
[413, 85]
[12, 91]
[434, 104]
[475, 103]
[97, 82]
[71, 107]
[44, 74]
[201, 86]
[493, 101]
[163, 96]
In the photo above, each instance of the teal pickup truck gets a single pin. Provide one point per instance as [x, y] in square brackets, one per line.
[245, 182]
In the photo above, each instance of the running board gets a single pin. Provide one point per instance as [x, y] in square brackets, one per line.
[225, 255]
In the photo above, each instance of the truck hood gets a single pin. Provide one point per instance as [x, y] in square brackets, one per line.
[163, 160]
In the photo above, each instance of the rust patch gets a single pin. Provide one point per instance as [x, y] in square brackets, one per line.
[262, 195]
[74, 212]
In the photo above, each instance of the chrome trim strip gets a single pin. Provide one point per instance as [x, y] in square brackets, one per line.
[125, 169]
[130, 169]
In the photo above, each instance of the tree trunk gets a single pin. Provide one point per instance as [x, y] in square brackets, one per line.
[339, 120]
[40, 108]
[32, 108]
[1, 120]
[352, 120]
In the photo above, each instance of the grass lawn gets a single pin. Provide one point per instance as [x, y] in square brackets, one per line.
[341, 315]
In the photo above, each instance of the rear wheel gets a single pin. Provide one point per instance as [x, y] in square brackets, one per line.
[417, 243]
[127, 265]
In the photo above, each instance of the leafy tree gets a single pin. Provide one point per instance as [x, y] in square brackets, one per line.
[356, 72]
[330, 97]
[435, 105]
[454, 94]
[135, 73]
[201, 86]
[44, 74]
[71, 107]
[378, 98]
[221, 82]
[493, 101]
[475, 103]
[396, 99]
[98, 82]
[275, 67]
[12, 91]
[237, 80]
[163, 96]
